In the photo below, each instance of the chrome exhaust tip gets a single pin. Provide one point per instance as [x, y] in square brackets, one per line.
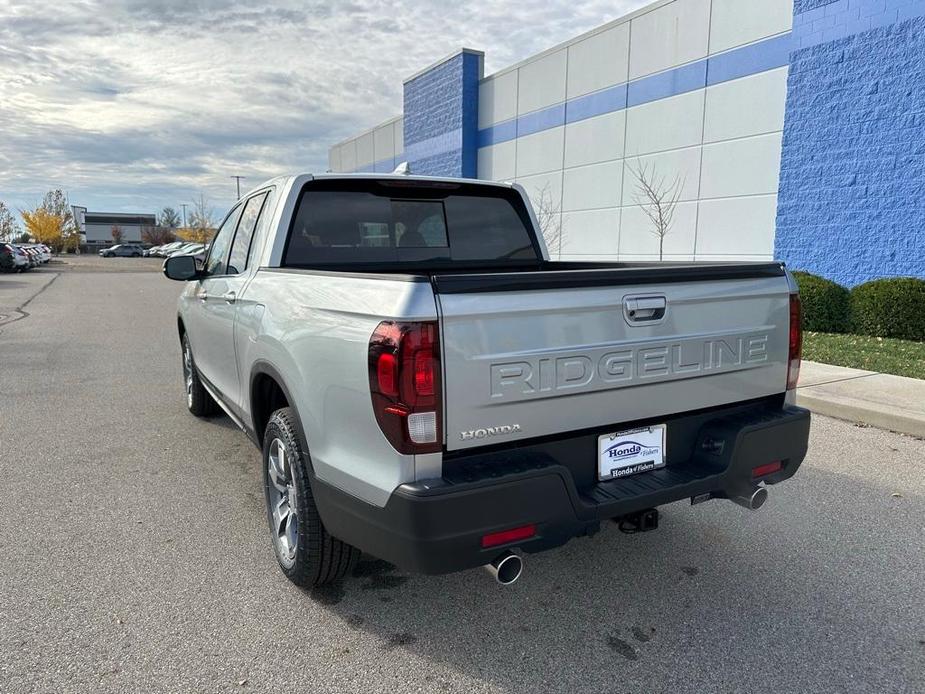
[752, 501]
[506, 568]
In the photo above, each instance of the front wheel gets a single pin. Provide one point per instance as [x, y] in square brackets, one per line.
[198, 400]
[306, 553]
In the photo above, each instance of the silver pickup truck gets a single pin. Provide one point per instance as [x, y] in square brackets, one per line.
[428, 387]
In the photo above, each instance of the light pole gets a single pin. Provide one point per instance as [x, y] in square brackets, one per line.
[237, 180]
[183, 205]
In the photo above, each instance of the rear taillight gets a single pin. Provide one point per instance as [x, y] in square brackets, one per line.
[796, 343]
[404, 381]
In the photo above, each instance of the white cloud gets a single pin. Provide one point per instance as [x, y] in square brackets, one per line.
[145, 103]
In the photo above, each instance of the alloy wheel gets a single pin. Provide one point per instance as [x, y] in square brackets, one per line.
[188, 373]
[283, 497]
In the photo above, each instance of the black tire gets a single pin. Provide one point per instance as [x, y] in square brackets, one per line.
[198, 400]
[318, 557]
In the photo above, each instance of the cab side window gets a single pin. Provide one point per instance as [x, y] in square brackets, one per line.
[237, 261]
[218, 252]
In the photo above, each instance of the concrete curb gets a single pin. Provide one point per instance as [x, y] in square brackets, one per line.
[881, 400]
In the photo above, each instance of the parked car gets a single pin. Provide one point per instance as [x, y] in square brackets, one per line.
[427, 386]
[122, 250]
[42, 251]
[13, 258]
[198, 252]
[186, 249]
[154, 250]
[6, 258]
[189, 249]
[158, 251]
[166, 249]
[31, 254]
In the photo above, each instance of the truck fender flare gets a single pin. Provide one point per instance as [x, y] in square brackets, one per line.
[263, 367]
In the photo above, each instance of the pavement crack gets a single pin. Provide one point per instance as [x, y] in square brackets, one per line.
[41, 289]
[18, 311]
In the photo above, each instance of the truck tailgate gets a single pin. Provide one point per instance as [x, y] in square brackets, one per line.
[546, 355]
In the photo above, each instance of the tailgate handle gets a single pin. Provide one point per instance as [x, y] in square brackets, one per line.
[644, 309]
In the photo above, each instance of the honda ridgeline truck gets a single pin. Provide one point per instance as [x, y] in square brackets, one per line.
[427, 386]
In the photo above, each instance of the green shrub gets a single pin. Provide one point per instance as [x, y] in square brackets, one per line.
[893, 307]
[825, 304]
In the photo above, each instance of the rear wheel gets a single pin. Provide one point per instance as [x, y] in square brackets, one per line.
[306, 553]
[198, 400]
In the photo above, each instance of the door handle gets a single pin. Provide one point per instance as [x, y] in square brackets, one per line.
[230, 297]
[644, 309]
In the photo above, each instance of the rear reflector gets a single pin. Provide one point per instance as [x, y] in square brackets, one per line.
[765, 470]
[503, 537]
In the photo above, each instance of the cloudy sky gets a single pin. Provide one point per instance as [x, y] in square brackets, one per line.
[139, 104]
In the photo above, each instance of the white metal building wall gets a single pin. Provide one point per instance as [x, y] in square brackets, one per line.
[377, 150]
[724, 140]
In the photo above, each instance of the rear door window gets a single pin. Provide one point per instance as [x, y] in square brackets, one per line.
[218, 252]
[237, 260]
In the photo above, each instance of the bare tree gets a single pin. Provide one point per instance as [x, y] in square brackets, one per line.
[157, 235]
[9, 228]
[549, 217]
[201, 226]
[55, 202]
[117, 233]
[658, 198]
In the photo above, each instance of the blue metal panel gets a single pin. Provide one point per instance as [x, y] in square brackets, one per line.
[596, 104]
[472, 73]
[544, 119]
[749, 60]
[500, 132]
[683, 79]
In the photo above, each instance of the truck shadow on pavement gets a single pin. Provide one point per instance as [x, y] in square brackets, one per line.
[713, 590]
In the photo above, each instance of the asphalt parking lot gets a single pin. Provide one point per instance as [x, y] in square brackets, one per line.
[134, 553]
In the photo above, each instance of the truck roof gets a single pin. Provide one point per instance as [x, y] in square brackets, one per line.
[378, 176]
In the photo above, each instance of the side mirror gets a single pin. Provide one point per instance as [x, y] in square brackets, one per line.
[181, 268]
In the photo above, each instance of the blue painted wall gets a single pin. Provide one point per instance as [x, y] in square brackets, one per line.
[851, 204]
[801, 6]
[441, 108]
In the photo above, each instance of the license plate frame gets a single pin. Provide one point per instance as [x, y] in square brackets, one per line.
[630, 452]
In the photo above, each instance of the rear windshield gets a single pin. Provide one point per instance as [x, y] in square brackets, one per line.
[413, 224]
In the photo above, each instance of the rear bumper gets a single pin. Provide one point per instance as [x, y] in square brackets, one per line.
[436, 526]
